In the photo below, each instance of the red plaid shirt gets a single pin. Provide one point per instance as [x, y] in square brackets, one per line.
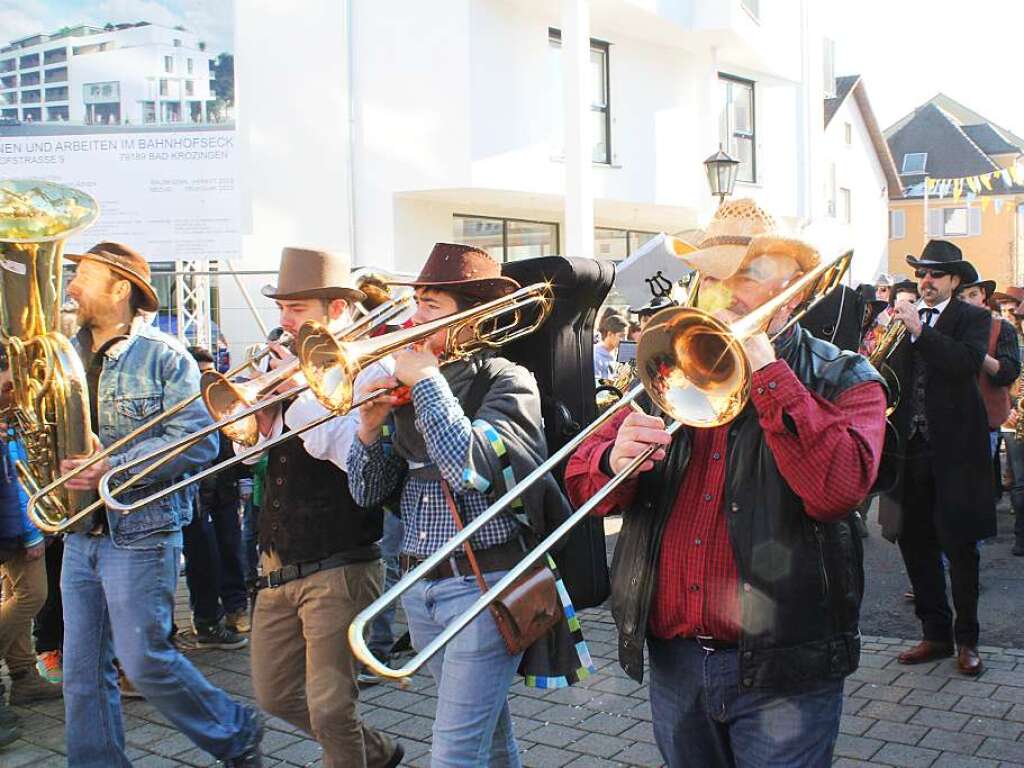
[828, 454]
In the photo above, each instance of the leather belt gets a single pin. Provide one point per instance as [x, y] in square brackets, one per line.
[497, 558]
[295, 571]
[711, 644]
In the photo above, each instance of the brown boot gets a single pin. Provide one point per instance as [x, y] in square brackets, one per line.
[926, 650]
[29, 686]
[968, 662]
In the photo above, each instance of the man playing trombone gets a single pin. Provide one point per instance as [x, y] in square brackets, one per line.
[320, 558]
[119, 576]
[737, 564]
[446, 454]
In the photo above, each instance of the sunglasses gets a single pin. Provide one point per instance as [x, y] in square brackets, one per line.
[935, 274]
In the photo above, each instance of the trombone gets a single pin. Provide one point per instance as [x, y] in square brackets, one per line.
[168, 453]
[39, 501]
[703, 347]
[330, 365]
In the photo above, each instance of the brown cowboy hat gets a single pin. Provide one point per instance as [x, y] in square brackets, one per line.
[739, 232]
[1012, 295]
[463, 269]
[310, 274]
[126, 263]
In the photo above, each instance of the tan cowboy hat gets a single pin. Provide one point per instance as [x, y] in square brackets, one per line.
[310, 274]
[127, 264]
[739, 232]
[463, 269]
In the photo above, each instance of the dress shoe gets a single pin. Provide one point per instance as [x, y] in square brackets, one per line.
[968, 662]
[926, 650]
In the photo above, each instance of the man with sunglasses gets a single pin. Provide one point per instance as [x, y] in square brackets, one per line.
[943, 502]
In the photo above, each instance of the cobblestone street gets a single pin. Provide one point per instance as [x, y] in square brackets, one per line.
[893, 716]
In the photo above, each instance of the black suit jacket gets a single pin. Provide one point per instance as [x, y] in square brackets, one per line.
[952, 352]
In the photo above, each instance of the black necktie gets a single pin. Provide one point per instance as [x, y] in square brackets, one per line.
[926, 314]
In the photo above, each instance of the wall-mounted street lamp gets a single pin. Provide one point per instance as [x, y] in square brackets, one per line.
[722, 171]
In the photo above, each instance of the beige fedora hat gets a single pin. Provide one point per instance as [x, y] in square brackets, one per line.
[739, 232]
[313, 274]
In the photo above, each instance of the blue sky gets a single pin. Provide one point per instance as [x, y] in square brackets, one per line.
[212, 20]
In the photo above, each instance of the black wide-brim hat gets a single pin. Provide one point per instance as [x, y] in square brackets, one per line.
[655, 305]
[988, 286]
[942, 254]
[908, 286]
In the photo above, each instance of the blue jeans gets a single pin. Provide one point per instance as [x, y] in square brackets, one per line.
[703, 718]
[119, 602]
[382, 637]
[472, 725]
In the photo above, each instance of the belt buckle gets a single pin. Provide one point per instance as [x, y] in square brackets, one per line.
[274, 579]
[706, 643]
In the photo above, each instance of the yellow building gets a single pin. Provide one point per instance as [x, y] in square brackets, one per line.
[942, 139]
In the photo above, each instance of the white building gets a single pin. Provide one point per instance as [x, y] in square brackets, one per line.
[405, 123]
[125, 74]
[860, 177]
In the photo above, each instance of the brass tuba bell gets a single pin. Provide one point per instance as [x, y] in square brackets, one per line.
[49, 408]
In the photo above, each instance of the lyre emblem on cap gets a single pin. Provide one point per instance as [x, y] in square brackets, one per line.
[658, 284]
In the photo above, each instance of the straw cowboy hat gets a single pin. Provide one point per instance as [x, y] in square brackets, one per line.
[739, 232]
[943, 255]
[311, 274]
[126, 263]
[463, 269]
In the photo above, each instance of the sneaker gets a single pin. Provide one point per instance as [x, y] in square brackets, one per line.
[128, 691]
[9, 734]
[238, 621]
[219, 636]
[29, 686]
[51, 666]
[252, 755]
[366, 678]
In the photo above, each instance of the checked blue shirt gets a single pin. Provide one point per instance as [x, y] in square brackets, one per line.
[374, 470]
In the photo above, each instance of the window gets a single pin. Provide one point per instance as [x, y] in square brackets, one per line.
[845, 205]
[736, 124]
[507, 239]
[168, 64]
[897, 225]
[848, 133]
[163, 87]
[914, 162]
[960, 221]
[148, 111]
[600, 100]
[189, 64]
[189, 88]
[830, 189]
[617, 244]
[954, 221]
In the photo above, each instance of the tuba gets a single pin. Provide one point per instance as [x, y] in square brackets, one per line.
[49, 404]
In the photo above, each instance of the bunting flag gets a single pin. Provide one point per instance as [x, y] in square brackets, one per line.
[976, 184]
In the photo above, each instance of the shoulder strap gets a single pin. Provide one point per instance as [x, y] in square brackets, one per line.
[993, 335]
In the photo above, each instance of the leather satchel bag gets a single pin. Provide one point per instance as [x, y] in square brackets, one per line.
[528, 609]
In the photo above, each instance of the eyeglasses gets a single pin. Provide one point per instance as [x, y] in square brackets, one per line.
[935, 274]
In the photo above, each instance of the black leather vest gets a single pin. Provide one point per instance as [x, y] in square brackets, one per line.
[802, 580]
[308, 512]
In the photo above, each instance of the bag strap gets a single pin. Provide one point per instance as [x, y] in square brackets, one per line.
[482, 381]
[457, 518]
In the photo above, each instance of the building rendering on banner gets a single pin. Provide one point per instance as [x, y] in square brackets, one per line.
[943, 140]
[123, 74]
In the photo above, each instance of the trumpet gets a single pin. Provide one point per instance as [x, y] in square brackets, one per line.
[693, 368]
[879, 358]
[330, 365]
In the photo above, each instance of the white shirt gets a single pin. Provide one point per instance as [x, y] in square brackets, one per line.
[332, 440]
[941, 306]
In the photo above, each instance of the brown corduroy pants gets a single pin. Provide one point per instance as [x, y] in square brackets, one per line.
[303, 670]
[24, 592]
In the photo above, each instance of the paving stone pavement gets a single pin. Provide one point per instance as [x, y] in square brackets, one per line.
[909, 717]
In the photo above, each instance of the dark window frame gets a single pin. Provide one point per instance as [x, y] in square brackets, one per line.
[504, 229]
[604, 48]
[752, 84]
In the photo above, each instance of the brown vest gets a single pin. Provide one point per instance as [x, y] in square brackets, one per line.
[996, 399]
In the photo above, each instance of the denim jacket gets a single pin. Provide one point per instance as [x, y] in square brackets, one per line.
[143, 375]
